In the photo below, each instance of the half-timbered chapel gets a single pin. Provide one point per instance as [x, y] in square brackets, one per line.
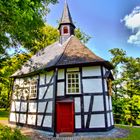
[63, 88]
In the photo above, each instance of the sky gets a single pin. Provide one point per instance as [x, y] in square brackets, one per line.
[110, 23]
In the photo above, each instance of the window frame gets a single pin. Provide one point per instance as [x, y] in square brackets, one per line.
[79, 83]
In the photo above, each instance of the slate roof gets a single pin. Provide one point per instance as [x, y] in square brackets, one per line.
[72, 52]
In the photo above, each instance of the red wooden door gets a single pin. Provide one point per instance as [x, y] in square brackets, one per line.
[65, 117]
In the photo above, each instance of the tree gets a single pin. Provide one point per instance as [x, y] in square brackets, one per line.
[20, 21]
[126, 86]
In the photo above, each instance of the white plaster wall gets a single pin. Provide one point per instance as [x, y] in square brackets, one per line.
[104, 70]
[42, 79]
[22, 118]
[85, 118]
[39, 119]
[92, 85]
[110, 102]
[17, 105]
[112, 119]
[72, 69]
[61, 74]
[86, 103]
[78, 121]
[60, 89]
[21, 80]
[97, 121]
[47, 121]
[91, 71]
[107, 103]
[98, 103]
[41, 106]
[32, 107]
[108, 119]
[41, 92]
[77, 104]
[14, 96]
[105, 83]
[49, 107]
[16, 81]
[12, 106]
[49, 76]
[49, 92]
[14, 117]
[31, 119]
[23, 107]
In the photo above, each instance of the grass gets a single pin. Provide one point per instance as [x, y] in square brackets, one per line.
[134, 134]
[4, 114]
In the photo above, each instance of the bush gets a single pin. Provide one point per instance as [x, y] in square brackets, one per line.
[6, 133]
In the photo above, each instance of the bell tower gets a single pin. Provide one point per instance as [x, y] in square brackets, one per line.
[66, 26]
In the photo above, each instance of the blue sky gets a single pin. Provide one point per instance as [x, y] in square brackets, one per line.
[111, 23]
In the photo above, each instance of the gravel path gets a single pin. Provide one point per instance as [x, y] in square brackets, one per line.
[42, 135]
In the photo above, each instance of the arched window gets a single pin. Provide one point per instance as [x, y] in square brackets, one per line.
[65, 30]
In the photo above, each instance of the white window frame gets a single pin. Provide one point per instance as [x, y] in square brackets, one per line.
[73, 93]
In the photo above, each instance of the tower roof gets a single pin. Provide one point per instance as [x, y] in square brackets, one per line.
[66, 16]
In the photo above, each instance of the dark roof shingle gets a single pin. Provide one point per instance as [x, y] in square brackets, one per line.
[72, 52]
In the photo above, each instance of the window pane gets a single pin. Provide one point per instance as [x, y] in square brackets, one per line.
[73, 85]
[77, 90]
[69, 90]
[77, 76]
[73, 90]
[69, 85]
[69, 76]
[69, 80]
[77, 85]
[73, 76]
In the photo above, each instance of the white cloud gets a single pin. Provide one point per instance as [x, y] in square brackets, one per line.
[132, 21]
[135, 39]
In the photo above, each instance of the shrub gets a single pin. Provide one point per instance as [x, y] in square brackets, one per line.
[6, 133]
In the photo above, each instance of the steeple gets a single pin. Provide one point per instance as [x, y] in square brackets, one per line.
[66, 26]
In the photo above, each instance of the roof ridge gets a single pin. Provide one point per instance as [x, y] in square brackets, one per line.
[64, 49]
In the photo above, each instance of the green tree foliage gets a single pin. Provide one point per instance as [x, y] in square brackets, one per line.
[82, 35]
[9, 66]
[20, 21]
[126, 87]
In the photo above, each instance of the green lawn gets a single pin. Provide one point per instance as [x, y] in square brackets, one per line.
[4, 114]
[134, 134]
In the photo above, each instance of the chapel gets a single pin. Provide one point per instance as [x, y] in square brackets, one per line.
[64, 87]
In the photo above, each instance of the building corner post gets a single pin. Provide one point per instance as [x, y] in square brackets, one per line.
[54, 101]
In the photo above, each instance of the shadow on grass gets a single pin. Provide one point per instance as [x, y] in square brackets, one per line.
[4, 114]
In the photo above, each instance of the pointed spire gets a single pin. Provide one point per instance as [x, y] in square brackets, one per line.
[66, 26]
[66, 16]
